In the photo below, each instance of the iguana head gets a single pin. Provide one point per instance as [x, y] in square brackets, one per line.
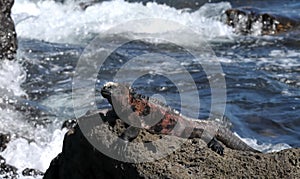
[117, 93]
[112, 90]
[123, 98]
[123, 103]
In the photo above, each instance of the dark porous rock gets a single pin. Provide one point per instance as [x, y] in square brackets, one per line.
[8, 36]
[193, 159]
[7, 171]
[4, 139]
[178, 4]
[246, 20]
[69, 124]
[31, 172]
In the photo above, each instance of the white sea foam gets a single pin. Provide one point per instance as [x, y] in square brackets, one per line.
[12, 76]
[22, 153]
[30, 147]
[55, 22]
[264, 147]
[13, 122]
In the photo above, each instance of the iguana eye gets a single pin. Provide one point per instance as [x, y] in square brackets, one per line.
[131, 91]
[117, 91]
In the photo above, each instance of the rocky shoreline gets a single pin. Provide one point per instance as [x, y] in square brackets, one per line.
[8, 49]
[6, 171]
[9, 171]
[8, 36]
[79, 159]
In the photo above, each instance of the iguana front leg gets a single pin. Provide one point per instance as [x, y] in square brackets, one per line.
[133, 130]
[130, 133]
[212, 143]
[216, 146]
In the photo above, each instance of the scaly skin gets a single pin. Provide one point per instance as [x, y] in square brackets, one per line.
[143, 112]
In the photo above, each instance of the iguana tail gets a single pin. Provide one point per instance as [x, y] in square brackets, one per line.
[232, 141]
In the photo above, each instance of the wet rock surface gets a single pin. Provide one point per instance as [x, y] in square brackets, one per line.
[7, 171]
[79, 159]
[178, 4]
[8, 47]
[8, 36]
[31, 172]
[246, 20]
[69, 124]
[4, 139]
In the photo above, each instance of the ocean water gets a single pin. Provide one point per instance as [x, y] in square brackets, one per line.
[261, 73]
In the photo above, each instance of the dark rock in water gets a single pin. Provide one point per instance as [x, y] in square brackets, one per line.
[31, 172]
[178, 4]
[251, 20]
[7, 171]
[8, 37]
[4, 139]
[69, 124]
[79, 159]
[2, 160]
[84, 5]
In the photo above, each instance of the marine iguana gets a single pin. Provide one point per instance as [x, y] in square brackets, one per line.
[143, 112]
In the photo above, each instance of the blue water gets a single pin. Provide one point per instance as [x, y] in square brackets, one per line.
[263, 98]
[262, 73]
[262, 89]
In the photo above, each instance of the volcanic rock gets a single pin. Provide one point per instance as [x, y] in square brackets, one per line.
[80, 159]
[8, 36]
[4, 139]
[7, 171]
